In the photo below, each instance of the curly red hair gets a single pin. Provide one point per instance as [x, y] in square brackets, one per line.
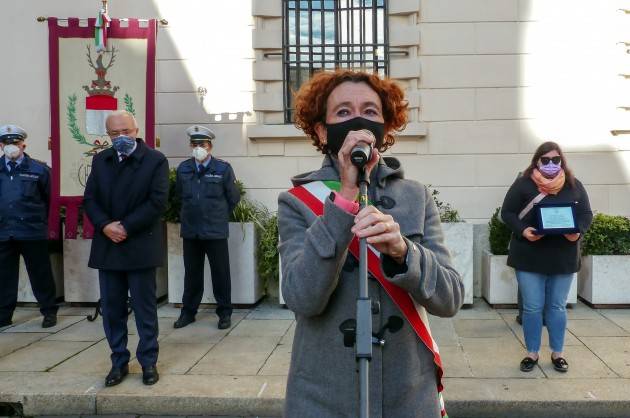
[310, 102]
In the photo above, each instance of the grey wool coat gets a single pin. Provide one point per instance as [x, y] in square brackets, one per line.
[320, 285]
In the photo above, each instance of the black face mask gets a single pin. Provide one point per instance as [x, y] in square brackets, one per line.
[336, 133]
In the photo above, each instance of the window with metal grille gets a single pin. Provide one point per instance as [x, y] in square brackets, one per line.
[330, 34]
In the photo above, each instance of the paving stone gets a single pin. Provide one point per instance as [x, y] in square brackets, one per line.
[11, 342]
[288, 337]
[596, 328]
[455, 362]
[583, 364]
[95, 360]
[169, 311]
[262, 328]
[621, 318]
[479, 310]
[269, 313]
[203, 330]
[443, 331]
[35, 324]
[176, 358]
[510, 319]
[236, 355]
[613, 351]
[582, 311]
[481, 328]
[23, 314]
[41, 356]
[81, 331]
[76, 310]
[278, 363]
[496, 358]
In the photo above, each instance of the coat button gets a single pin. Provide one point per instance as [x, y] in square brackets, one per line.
[376, 307]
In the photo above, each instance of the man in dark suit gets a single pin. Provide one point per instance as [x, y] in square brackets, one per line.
[125, 197]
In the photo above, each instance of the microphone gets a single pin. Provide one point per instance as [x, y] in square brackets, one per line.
[361, 154]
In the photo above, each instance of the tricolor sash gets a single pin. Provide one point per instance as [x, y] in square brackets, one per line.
[313, 195]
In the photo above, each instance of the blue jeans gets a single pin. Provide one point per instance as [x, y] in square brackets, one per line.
[548, 292]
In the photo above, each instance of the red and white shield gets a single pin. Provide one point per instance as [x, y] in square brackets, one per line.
[97, 108]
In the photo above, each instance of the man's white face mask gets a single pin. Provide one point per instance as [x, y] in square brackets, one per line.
[199, 154]
[11, 151]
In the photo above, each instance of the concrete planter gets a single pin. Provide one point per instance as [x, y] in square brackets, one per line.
[81, 281]
[25, 292]
[605, 279]
[459, 240]
[499, 285]
[247, 288]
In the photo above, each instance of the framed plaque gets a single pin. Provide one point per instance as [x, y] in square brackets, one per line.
[556, 218]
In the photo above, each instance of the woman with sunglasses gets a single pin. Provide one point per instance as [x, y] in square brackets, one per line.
[544, 264]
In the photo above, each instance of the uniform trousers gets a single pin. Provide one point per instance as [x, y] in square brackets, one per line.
[37, 261]
[195, 252]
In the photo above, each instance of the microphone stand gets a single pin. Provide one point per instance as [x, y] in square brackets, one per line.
[364, 311]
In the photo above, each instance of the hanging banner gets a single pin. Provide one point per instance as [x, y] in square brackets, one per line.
[86, 86]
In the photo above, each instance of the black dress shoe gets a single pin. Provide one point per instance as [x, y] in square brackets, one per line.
[50, 320]
[560, 364]
[150, 375]
[528, 364]
[183, 320]
[116, 375]
[5, 323]
[225, 322]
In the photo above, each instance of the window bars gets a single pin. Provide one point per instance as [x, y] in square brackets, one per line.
[328, 34]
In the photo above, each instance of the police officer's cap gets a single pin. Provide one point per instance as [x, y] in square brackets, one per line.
[199, 133]
[11, 133]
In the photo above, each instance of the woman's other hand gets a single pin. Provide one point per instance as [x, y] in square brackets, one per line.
[382, 232]
[529, 234]
[572, 237]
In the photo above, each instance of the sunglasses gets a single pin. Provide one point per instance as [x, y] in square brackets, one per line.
[555, 160]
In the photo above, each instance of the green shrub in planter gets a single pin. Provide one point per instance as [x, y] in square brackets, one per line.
[447, 213]
[174, 204]
[499, 234]
[608, 235]
[268, 252]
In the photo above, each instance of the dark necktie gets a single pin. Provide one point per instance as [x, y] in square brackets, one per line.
[12, 167]
[202, 169]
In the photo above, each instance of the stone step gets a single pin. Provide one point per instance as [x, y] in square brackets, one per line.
[64, 393]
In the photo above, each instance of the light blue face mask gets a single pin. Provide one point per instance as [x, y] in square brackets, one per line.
[123, 144]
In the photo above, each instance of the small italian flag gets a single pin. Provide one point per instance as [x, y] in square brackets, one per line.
[100, 30]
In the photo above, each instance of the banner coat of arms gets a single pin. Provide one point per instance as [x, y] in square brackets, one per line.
[86, 86]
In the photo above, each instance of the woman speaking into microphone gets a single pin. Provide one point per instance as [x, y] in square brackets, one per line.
[410, 269]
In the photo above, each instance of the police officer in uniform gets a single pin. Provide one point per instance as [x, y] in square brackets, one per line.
[208, 191]
[24, 204]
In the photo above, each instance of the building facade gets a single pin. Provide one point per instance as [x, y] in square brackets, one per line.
[487, 81]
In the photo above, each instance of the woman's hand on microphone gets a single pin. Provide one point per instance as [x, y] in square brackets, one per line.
[348, 172]
[381, 231]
